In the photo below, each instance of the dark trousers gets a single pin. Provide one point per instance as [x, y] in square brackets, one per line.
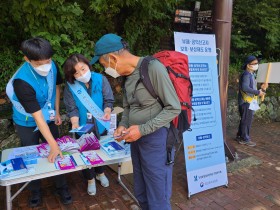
[90, 173]
[246, 119]
[28, 138]
[152, 177]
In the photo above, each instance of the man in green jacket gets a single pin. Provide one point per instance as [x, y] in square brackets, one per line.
[144, 121]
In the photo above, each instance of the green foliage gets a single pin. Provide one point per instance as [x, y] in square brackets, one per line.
[256, 28]
[8, 58]
[73, 26]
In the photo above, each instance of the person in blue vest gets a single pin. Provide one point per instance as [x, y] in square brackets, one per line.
[34, 91]
[145, 122]
[247, 99]
[79, 72]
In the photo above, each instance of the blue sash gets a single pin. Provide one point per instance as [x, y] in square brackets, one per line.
[86, 100]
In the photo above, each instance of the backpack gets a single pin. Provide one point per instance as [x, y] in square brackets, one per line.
[177, 66]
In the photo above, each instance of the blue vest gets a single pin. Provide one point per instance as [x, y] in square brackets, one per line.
[97, 97]
[40, 86]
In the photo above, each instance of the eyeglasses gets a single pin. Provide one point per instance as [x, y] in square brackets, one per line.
[253, 64]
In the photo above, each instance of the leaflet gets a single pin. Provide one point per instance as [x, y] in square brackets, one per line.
[83, 128]
[91, 158]
[13, 167]
[65, 163]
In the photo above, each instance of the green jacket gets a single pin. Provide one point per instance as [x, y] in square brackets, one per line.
[140, 108]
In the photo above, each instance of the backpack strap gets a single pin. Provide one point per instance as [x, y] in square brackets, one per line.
[173, 133]
[145, 78]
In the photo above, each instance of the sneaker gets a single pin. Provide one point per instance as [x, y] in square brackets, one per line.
[241, 141]
[91, 189]
[35, 199]
[248, 143]
[238, 138]
[103, 179]
[64, 195]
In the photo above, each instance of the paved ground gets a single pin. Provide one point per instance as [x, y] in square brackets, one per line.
[254, 182]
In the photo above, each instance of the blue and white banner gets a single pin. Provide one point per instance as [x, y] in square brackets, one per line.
[204, 145]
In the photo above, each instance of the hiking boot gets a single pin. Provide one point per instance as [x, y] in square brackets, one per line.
[65, 196]
[35, 199]
[103, 179]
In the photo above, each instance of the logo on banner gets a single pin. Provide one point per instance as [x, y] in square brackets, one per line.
[195, 178]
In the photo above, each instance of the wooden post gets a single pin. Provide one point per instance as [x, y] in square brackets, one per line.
[266, 78]
[222, 28]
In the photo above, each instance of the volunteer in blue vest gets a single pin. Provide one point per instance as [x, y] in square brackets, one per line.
[34, 91]
[144, 122]
[78, 72]
[247, 99]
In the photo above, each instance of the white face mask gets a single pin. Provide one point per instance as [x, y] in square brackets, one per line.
[254, 67]
[43, 70]
[84, 78]
[112, 72]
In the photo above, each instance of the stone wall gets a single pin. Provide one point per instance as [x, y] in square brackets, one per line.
[270, 111]
[9, 138]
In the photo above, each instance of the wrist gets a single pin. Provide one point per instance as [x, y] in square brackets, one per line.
[107, 110]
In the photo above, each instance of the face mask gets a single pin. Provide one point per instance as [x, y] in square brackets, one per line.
[255, 67]
[84, 78]
[112, 72]
[43, 70]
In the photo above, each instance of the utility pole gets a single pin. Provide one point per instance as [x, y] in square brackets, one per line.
[222, 29]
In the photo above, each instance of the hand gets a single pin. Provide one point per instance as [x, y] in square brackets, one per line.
[75, 125]
[261, 93]
[107, 114]
[54, 152]
[264, 86]
[118, 132]
[133, 134]
[58, 120]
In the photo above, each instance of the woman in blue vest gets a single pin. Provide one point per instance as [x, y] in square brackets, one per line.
[77, 71]
[34, 91]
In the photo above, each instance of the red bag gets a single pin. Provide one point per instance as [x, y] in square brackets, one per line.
[177, 65]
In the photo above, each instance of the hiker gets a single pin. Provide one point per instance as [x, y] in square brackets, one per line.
[144, 122]
[34, 91]
[247, 99]
[77, 69]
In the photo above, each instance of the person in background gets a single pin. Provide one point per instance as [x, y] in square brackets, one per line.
[144, 121]
[78, 72]
[247, 99]
[34, 91]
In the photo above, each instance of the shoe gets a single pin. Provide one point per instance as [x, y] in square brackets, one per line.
[238, 138]
[91, 188]
[103, 179]
[248, 143]
[35, 199]
[241, 141]
[64, 195]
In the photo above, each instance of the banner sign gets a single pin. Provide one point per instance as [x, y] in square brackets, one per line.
[204, 145]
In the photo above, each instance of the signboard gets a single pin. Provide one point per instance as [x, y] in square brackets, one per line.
[274, 75]
[204, 22]
[204, 145]
[183, 16]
